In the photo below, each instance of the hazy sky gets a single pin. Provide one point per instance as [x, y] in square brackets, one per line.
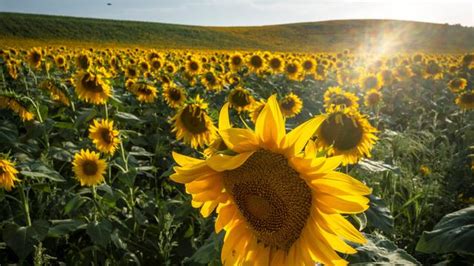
[251, 12]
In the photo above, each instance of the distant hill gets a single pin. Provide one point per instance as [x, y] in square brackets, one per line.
[366, 35]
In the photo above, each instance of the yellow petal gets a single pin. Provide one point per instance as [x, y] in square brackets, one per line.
[224, 122]
[340, 226]
[221, 162]
[298, 137]
[339, 183]
[183, 160]
[239, 139]
[225, 215]
[343, 203]
[208, 207]
[270, 126]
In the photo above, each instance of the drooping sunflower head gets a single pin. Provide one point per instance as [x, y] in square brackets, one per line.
[386, 76]
[8, 174]
[370, 81]
[88, 168]
[104, 136]
[174, 96]
[131, 72]
[277, 204]
[193, 125]
[335, 96]
[34, 58]
[433, 70]
[91, 87]
[465, 100]
[144, 91]
[346, 132]
[291, 105]
[457, 84]
[156, 64]
[58, 93]
[372, 98]
[240, 99]
[16, 106]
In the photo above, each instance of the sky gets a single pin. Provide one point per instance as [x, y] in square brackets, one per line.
[251, 12]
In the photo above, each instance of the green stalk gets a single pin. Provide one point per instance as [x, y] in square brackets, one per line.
[26, 206]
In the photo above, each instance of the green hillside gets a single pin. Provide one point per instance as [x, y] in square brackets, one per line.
[26, 30]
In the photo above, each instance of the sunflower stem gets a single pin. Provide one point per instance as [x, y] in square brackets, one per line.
[96, 203]
[106, 112]
[124, 158]
[26, 206]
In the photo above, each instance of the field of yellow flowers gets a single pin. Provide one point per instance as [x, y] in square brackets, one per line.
[169, 157]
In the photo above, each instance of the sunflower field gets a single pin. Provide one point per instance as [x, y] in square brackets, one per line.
[187, 157]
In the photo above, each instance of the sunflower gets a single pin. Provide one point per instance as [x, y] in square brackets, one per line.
[193, 124]
[240, 99]
[276, 64]
[145, 92]
[255, 110]
[89, 168]
[291, 105]
[346, 132]
[92, 88]
[211, 81]
[60, 62]
[457, 84]
[34, 57]
[193, 67]
[174, 96]
[277, 204]
[131, 72]
[465, 100]
[372, 98]
[335, 96]
[16, 106]
[293, 70]
[370, 81]
[7, 175]
[386, 76]
[83, 61]
[55, 91]
[309, 65]
[236, 62]
[104, 136]
[256, 63]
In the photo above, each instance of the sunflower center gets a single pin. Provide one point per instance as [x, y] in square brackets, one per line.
[144, 90]
[90, 83]
[175, 94]
[272, 197]
[291, 69]
[307, 65]
[236, 60]
[210, 78]
[240, 98]
[342, 131]
[36, 57]
[256, 61]
[287, 104]
[90, 167]
[106, 135]
[370, 82]
[193, 66]
[275, 63]
[193, 119]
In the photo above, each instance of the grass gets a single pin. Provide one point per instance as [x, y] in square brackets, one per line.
[367, 35]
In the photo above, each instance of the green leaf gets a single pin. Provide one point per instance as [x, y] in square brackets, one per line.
[42, 175]
[100, 232]
[378, 215]
[64, 227]
[454, 233]
[210, 251]
[376, 166]
[22, 239]
[127, 117]
[378, 250]
[74, 204]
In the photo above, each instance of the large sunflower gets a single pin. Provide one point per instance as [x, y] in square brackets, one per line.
[465, 100]
[174, 96]
[291, 105]
[7, 175]
[89, 168]
[34, 58]
[278, 205]
[335, 96]
[346, 132]
[104, 136]
[240, 99]
[92, 88]
[193, 124]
